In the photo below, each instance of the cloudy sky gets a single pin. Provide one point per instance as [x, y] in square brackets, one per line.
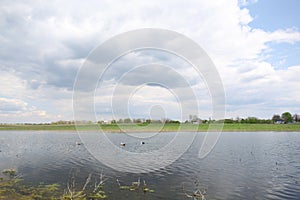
[255, 46]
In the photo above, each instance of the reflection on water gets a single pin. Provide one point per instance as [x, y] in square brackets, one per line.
[260, 165]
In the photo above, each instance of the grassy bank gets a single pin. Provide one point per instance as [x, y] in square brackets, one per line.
[152, 127]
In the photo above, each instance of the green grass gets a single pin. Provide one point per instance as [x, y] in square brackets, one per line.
[21, 127]
[261, 127]
[152, 127]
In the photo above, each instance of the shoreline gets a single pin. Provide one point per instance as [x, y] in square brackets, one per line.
[113, 128]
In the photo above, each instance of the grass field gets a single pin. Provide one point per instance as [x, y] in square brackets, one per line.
[153, 127]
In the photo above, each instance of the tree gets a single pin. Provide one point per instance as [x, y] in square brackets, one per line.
[276, 118]
[287, 117]
[252, 120]
[127, 120]
[296, 118]
[137, 121]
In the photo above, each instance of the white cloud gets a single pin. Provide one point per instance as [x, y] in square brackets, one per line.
[246, 2]
[16, 110]
[43, 45]
[12, 106]
[11, 85]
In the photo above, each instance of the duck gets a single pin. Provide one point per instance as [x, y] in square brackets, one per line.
[78, 143]
[122, 144]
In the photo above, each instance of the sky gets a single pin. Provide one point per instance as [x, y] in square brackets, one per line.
[254, 45]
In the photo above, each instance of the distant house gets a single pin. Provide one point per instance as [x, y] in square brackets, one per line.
[197, 121]
[279, 121]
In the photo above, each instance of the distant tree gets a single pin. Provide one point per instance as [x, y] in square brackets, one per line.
[173, 122]
[195, 117]
[156, 121]
[296, 118]
[127, 120]
[137, 121]
[190, 117]
[267, 121]
[287, 117]
[276, 118]
[228, 121]
[252, 120]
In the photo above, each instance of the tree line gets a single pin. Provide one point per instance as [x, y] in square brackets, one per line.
[284, 118]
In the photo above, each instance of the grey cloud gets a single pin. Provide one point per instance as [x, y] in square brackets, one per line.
[129, 64]
[32, 49]
[132, 67]
[59, 76]
[12, 106]
[155, 74]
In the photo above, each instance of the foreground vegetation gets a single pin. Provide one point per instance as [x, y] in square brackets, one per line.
[151, 127]
[13, 187]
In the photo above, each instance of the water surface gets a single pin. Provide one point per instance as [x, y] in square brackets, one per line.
[256, 165]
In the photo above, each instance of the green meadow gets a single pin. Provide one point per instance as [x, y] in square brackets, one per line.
[149, 127]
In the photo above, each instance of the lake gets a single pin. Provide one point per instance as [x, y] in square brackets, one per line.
[243, 165]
